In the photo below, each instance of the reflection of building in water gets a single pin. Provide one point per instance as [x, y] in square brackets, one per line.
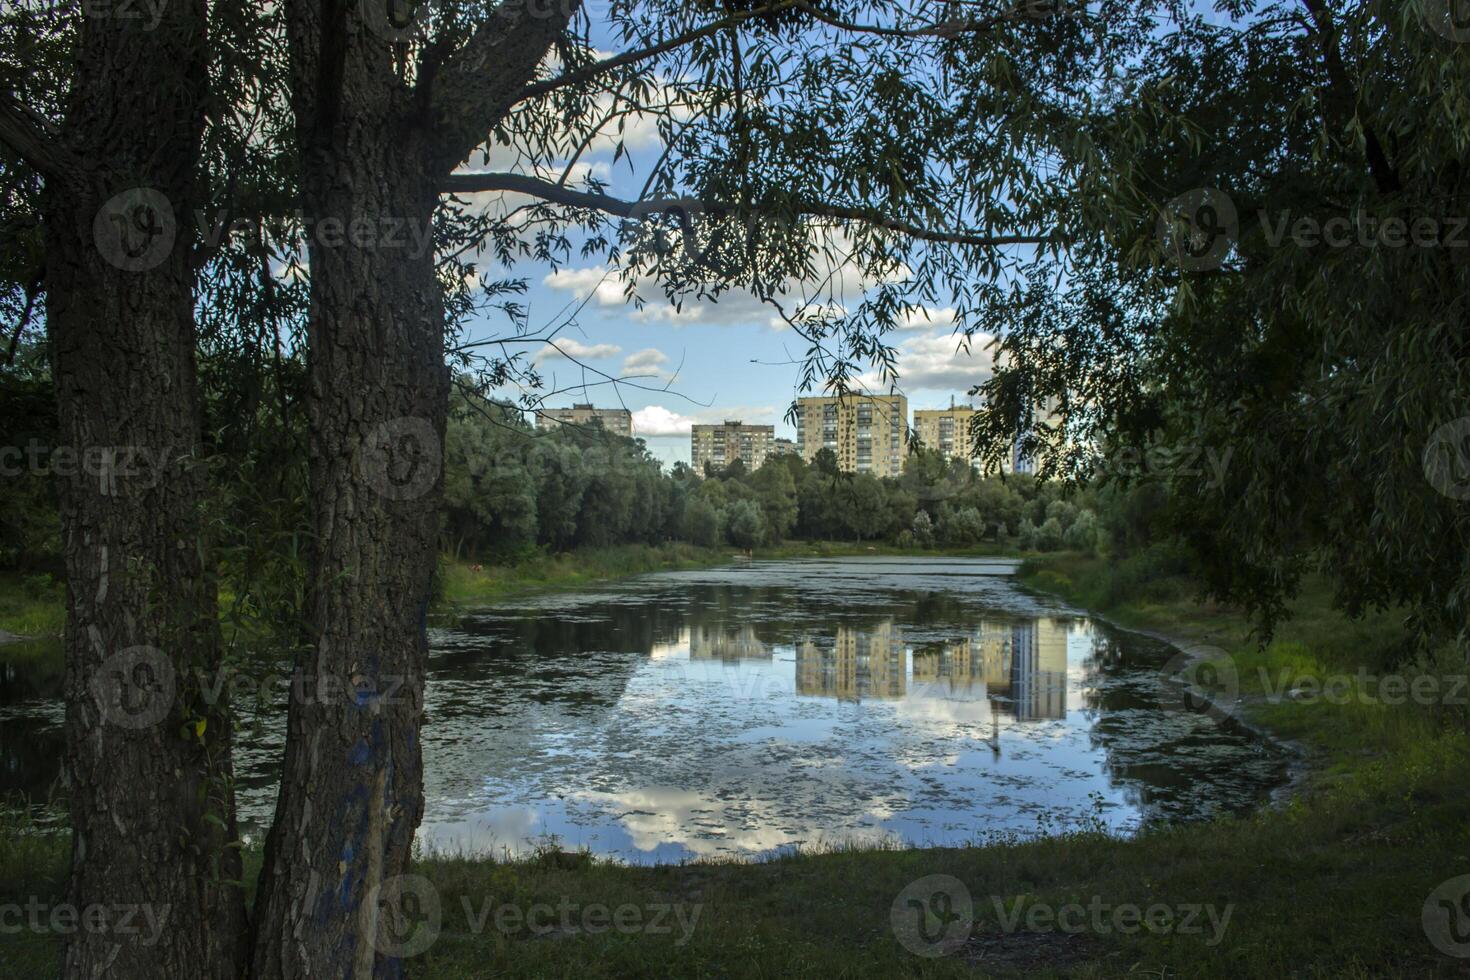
[709, 643]
[1022, 666]
[862, 663]
[1038, 686]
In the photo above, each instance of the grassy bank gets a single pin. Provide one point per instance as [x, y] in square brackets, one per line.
[1331, 885]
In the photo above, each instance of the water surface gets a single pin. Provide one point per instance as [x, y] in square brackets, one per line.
[744, 710]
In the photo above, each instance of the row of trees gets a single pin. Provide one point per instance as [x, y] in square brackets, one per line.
[510, 489]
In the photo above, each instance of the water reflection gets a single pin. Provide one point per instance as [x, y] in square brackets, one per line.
[740, 711]
[777, 708]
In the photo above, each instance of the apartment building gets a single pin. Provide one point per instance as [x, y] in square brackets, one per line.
[868, 433]
[720, 445]
[945, 429]
[948, 431]
[618, 420]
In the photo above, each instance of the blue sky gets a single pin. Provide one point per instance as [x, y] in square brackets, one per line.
[709, 361]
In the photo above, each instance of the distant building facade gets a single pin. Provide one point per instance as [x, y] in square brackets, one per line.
[720, 445]
[783, 447]
[868, 433]
[618, 420]
[946, 430]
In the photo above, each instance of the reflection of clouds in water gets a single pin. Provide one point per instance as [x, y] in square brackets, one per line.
[676, 650]
[654, 815]
[749, 712]
[708, 826]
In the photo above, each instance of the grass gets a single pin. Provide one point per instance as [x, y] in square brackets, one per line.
[31, 605]
[1332, 884]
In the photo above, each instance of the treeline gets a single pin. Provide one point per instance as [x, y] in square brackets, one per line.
[511, 489]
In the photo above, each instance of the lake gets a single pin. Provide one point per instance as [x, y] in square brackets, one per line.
[769, 705]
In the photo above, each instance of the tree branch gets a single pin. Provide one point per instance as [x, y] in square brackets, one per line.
[1385, 177]
[474, 88]
[606, 65]
[940, 29]
[683, 206]
[949, 28]
[33, 138]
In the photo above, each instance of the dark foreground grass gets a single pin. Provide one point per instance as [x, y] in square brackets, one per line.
[1333, 884]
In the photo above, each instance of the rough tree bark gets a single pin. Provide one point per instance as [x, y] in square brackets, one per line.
[148, 758]
[374, 152]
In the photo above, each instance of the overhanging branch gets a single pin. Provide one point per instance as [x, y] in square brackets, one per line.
[478, 183]
[32, 137]
[588, 72]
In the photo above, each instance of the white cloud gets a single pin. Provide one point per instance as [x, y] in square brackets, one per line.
[834, 291]
[938, 362]
[655, 420]
[582, 283]
[645, 361]
[927, 318]
[566, 347]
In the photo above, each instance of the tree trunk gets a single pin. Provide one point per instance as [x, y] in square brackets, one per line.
[352, 790]
[333, 898]
[148, 760]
